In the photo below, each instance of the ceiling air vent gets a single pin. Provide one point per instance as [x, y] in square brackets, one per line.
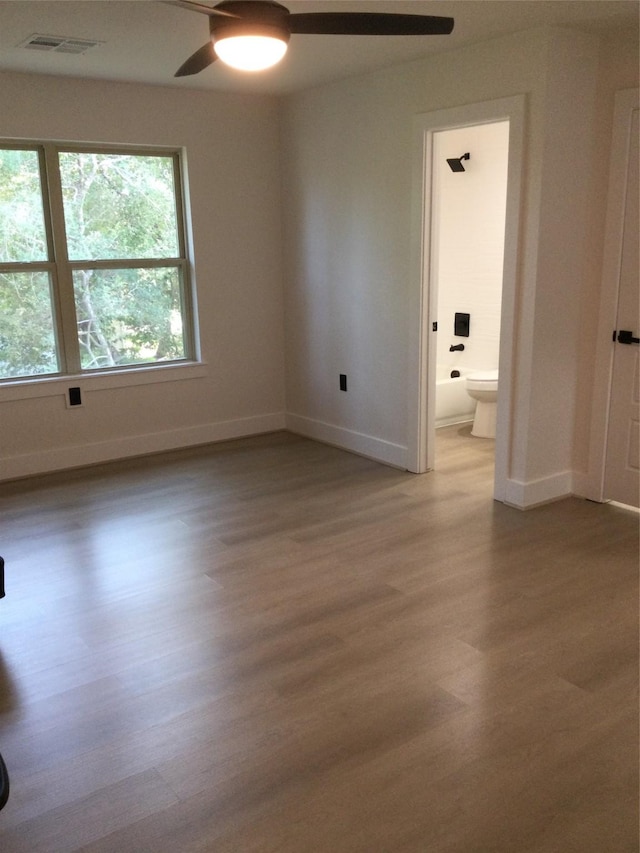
[58, 44]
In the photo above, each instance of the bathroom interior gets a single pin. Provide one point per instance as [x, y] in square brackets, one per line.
[469, 191]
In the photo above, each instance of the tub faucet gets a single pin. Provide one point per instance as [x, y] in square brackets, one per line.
[456, 348]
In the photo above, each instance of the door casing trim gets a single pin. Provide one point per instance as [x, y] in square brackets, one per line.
[626, 102]
[422, 341]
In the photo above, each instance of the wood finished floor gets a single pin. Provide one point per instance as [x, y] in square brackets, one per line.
[272, 645]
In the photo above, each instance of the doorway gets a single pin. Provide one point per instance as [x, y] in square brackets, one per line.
[468, 203]
[424, 329]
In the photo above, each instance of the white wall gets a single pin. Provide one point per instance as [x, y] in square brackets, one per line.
[468, 211]
[347, 199]
[348, 223]
[232, 150]
[554, 254]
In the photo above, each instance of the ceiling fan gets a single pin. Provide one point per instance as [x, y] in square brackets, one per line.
[253, 34]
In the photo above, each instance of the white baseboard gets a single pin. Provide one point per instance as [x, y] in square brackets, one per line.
[536, 492]
[42, 462]
[457, 419]
[356, 442]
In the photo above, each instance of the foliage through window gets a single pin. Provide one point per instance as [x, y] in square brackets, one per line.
[93, 268]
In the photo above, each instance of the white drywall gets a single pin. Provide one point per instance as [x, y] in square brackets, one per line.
[231, 144]
[348, 227]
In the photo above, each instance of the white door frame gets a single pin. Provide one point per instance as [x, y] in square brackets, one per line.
[626, 101]
[422, 341]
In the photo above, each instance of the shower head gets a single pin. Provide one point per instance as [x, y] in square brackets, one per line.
[455, 164]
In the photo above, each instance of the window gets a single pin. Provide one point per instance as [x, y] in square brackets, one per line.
[93, 266]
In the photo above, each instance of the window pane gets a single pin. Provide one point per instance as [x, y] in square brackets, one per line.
[118, 206]
[128, 316]
[22, 233]
[27, 338]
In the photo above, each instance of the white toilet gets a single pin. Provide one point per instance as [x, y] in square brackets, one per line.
[482, 386]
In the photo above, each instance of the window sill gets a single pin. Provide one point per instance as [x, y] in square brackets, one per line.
[26, 389]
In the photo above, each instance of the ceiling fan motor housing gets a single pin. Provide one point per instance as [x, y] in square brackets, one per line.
[254, 18]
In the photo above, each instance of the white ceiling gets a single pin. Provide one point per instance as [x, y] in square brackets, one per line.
[147, 41]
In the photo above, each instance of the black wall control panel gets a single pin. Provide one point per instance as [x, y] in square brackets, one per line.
[461, 325]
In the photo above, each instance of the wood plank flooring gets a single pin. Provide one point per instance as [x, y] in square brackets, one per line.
[273, 646]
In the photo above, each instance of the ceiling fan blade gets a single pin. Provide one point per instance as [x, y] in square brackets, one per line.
[194, 6]
[368, 24]
[198, 61]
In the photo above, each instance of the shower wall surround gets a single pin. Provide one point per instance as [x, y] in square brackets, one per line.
[468, 235]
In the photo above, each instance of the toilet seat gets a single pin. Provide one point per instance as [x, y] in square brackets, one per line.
[483, 380]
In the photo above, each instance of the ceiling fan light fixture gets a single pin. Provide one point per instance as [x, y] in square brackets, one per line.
[252, 35]
[252, 49]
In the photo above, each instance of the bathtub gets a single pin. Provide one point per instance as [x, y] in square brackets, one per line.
[453, 404]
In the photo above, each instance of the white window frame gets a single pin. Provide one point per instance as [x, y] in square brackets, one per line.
[61, 269]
